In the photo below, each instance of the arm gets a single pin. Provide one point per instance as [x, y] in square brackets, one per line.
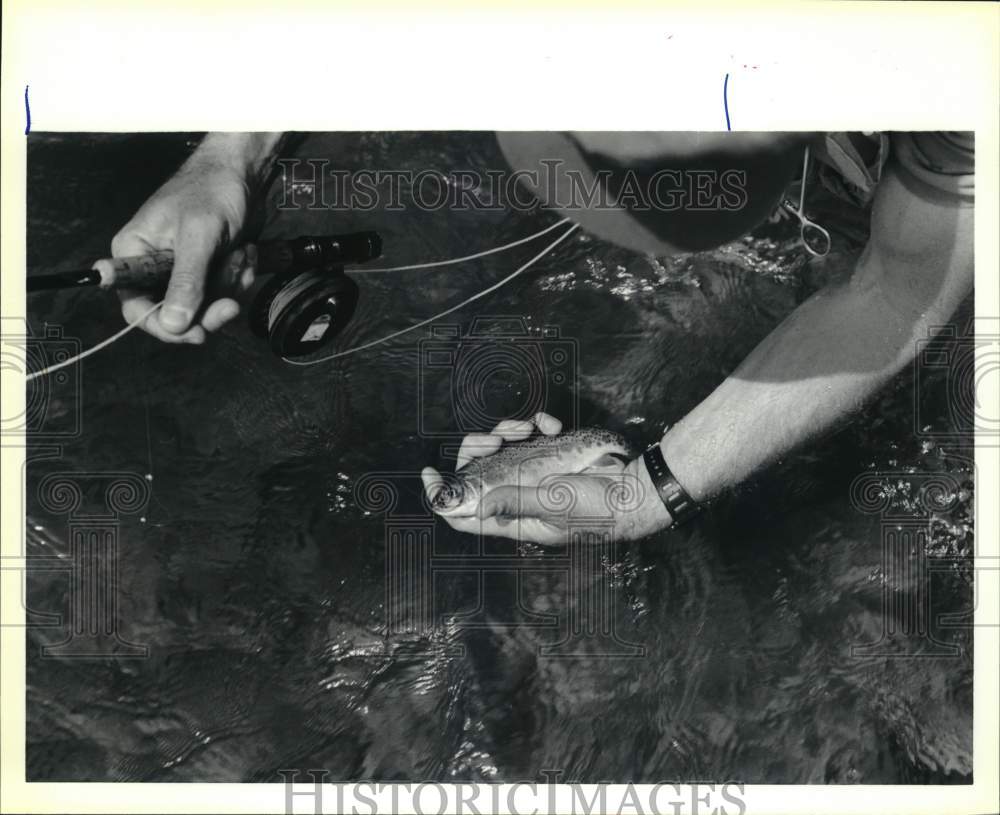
[837, 349]
[249, 153]
[200, 214]
[827, 358]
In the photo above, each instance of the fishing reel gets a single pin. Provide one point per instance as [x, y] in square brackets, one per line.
[305, 304]
[301, 309]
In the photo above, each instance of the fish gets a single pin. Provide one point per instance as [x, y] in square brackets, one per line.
[527, 463]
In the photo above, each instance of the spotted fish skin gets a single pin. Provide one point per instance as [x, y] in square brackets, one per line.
[527, 462]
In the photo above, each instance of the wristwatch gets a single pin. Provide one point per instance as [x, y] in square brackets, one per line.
[681, 506]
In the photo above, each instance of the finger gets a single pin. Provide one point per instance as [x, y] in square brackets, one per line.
[524, 529]
[130, 244]
[549, 425]
[472, 526]
[490, 527]
[219, 313]
[194, 249]
[514, 429]
[476, 445]
[536, 531]
[432, 481]
[512, 502]
[238, 270]
[135, 305]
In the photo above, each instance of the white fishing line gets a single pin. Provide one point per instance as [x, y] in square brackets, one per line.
[103, 344]
[446, 312]
[449, 262]
[465, 259]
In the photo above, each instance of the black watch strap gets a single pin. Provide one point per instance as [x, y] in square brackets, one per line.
[679, 504]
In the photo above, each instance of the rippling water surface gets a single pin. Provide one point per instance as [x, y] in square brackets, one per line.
[279, 496]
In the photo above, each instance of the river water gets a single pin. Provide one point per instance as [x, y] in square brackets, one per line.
[268, 575]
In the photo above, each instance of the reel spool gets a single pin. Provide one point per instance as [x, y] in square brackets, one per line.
[300, 313]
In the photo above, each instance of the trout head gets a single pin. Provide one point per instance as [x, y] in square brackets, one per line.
[457, 496]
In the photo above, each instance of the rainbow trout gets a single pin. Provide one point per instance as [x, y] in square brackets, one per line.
[526, 463]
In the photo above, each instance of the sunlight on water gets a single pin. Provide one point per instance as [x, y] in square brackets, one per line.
[256, 574]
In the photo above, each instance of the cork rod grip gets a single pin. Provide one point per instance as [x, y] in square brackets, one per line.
[144, 272]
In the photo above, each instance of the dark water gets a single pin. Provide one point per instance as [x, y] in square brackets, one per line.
[256, 573]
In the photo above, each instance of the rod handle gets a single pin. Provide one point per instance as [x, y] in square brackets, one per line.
[144, 272]
[152, 271]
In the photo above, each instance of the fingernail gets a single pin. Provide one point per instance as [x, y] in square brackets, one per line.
[175, 318]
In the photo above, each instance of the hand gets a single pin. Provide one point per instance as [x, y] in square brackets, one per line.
[199, 214]
[619, 498]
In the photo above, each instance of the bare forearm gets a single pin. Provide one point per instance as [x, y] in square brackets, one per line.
[822, 363]
[834, 352]
[250, 154]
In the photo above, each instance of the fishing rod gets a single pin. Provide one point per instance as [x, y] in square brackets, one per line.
[306, 303]
[151, 271]
[297, 310]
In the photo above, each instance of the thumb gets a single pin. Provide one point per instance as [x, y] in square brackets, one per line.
[193, 252]
[512, 502]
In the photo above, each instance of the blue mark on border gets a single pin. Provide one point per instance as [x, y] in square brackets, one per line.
[725, 100]
[27, 112]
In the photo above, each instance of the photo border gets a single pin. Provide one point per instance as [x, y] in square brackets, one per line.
[539, 64]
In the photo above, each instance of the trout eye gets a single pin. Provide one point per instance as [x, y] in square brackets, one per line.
[448, 494]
